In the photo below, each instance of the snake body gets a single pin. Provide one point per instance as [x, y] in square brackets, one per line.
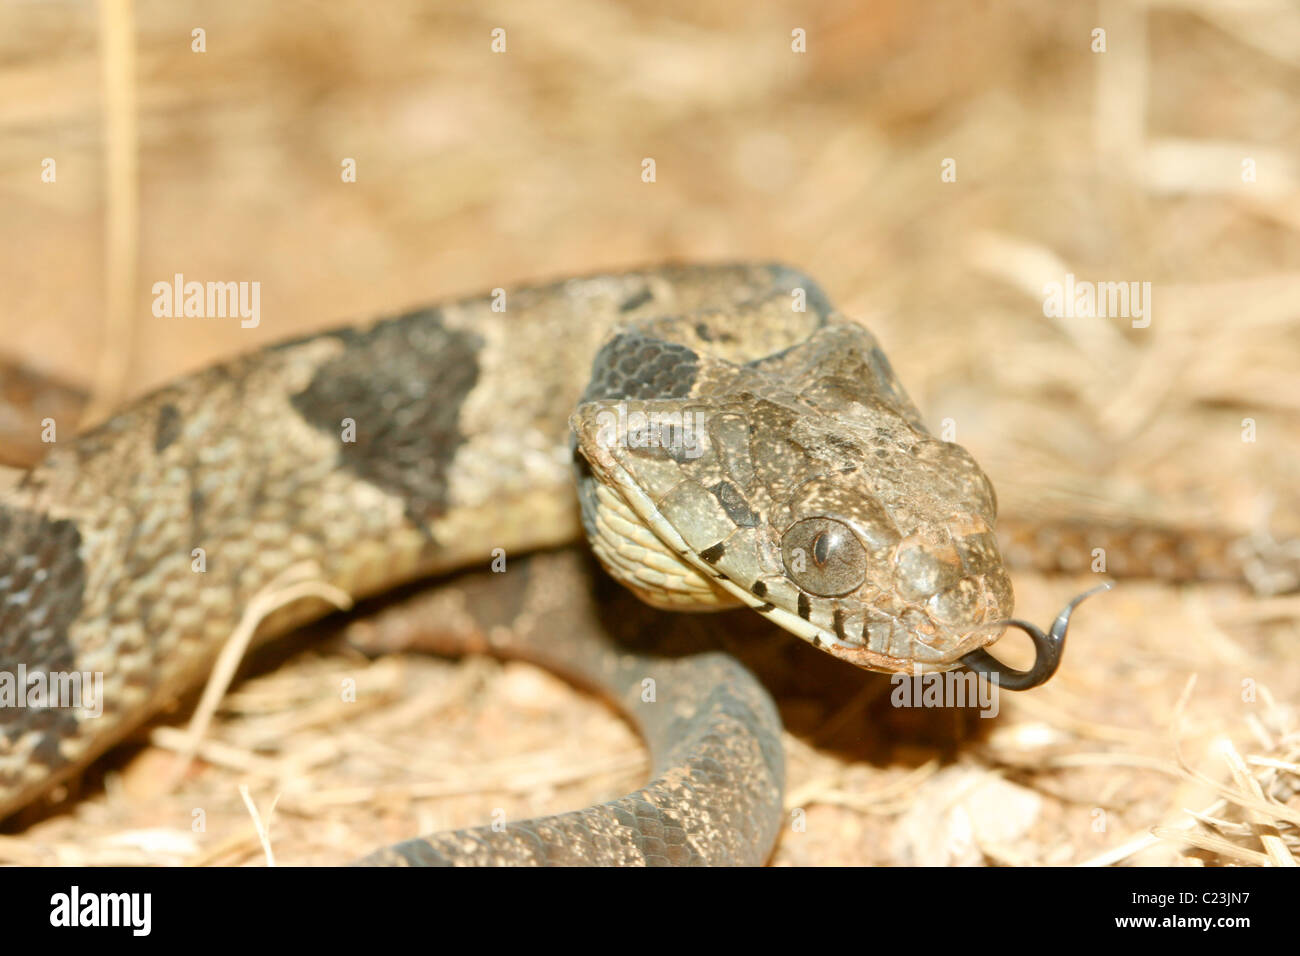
[736, 442]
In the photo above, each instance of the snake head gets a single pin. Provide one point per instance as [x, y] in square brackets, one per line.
[829, 509]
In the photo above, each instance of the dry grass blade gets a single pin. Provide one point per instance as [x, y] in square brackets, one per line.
[294, 584]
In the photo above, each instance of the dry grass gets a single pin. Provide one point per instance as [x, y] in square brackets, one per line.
[477, 170]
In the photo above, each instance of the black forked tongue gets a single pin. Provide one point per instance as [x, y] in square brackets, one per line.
[1047, 648]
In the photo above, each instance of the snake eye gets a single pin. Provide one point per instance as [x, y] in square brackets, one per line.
[824, 557]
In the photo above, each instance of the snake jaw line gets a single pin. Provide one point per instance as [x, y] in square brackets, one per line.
[643, 506]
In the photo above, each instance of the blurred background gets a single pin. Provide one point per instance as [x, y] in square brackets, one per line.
[934, 165]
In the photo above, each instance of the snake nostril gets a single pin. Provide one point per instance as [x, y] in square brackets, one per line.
[925, 567]
[976, 545]
[962, 604]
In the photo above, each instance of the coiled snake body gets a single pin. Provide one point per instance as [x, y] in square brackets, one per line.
[737, 442]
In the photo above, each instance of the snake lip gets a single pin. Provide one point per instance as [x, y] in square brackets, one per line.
[857, 654]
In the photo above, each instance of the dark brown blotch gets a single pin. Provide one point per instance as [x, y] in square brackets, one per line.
[636, 300]
[429, 369]
[633, 366]
[168, 428]
[40, 559]
[714, 552]
[735, 505]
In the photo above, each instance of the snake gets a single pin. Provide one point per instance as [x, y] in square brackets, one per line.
[721, 435]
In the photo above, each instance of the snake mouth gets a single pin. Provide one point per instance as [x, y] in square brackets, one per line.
[617, 481]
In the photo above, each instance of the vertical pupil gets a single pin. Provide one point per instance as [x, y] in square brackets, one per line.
[821, 548]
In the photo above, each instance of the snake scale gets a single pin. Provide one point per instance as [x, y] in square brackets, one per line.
[737, 442]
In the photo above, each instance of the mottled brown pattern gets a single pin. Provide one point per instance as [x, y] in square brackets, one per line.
[187, 504]
[800, 419]
[420, 443]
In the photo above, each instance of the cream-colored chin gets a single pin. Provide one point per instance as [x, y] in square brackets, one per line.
[639, 560]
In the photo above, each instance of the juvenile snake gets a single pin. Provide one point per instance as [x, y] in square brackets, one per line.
[737, 442]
